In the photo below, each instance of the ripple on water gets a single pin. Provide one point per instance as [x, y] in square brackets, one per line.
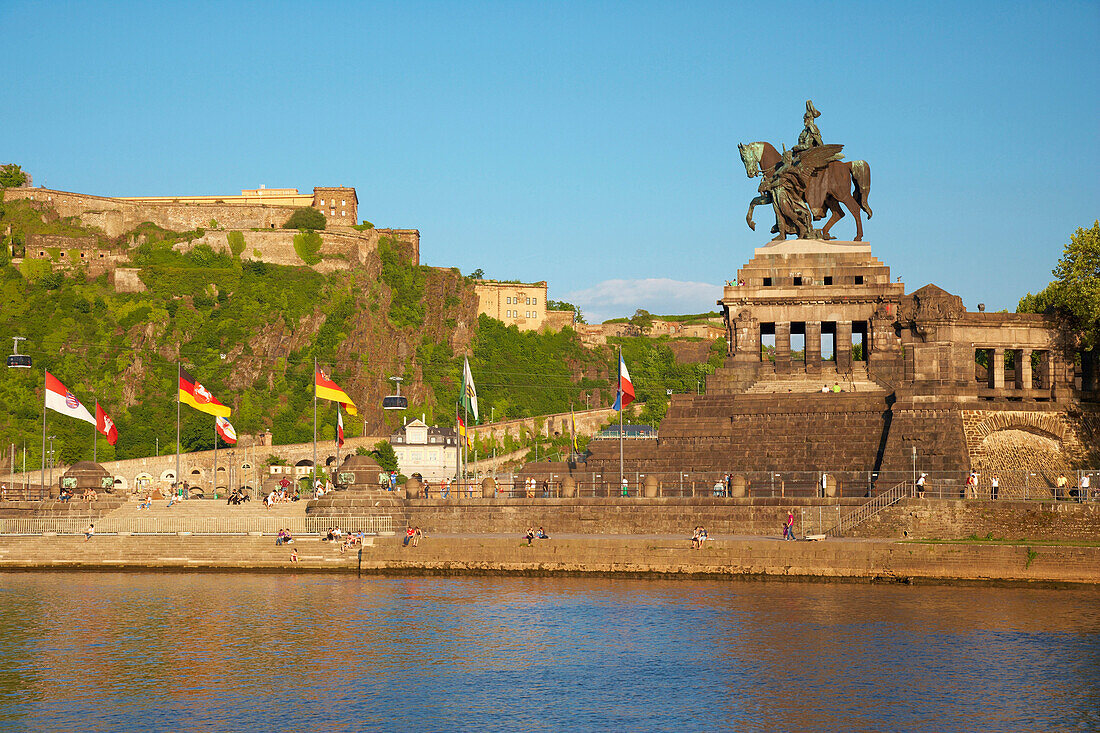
[214, 652]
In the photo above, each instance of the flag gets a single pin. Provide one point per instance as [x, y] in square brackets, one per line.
[625, 395]
[326, 389]
[573, 428]
[225, 429]
[105, 425]
[339, 428]
[462, 431]
[194, 394]
[60, 399]
[469, 392]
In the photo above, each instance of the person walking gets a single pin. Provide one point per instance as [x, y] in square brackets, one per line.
[994, 484]
[788, 526]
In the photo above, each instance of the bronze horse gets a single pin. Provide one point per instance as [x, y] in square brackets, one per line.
[841, 182]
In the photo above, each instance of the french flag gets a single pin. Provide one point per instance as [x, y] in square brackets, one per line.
[625, 395]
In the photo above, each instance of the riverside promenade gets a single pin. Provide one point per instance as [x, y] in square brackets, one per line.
[729, 557]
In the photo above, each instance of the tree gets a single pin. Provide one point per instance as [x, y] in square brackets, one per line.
[1075, 295]
[477, 274]
[561, 305]
[641, 321]
[385, 455]
[12, 176]
[306, 217]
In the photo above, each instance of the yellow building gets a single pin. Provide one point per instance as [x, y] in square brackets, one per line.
[519, 304]
[339, 204]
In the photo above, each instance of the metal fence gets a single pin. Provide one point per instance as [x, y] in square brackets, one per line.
[368, 525]
[1013, 484]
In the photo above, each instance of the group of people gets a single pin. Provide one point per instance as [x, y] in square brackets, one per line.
[237, 497]
[825, 389]
[283, 537]
[531, 535]
[387, 480]
[413, 535]
[280, 496]
[531, 485]
[698, 537]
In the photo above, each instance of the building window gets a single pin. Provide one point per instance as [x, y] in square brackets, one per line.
[859, 279]
[534, 314]
[343, 202]
[528, 301]
[798, 280]
[534, 301]
[322, 202]
[767, 282]
[828, 279]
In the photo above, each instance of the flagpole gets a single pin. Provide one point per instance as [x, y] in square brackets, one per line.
[458, 453]
[337, 439]
[42, 478]
[621, 408]
[214, 483]
[179, 367]
[314, 481]
[95, 443]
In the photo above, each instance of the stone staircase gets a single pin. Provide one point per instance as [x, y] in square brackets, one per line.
[169, 551]
[799, 382]
[199, 509]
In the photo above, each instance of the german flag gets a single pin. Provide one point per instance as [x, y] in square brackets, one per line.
[194, 394]
[326, 389]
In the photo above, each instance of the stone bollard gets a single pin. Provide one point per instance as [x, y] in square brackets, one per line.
[652, 489]
[739, 486]
[568, 487]
[412, 488]
[488, 487]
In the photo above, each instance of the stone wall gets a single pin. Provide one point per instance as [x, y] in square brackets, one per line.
[116, 216]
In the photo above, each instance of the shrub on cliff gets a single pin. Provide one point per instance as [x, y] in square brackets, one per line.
[305, 217]
[236, 243]
[307, 245]
[12, 176]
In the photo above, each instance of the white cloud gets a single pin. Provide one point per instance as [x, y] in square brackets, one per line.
[658, 295]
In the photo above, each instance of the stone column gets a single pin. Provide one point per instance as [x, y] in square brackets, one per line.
[813, 347]
[782, 348]
[1023, 368]
[843, 346]
[997, 367]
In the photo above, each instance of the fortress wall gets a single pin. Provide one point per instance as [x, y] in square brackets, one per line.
[116, 217]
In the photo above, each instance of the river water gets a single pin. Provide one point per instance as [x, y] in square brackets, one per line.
[201, 652]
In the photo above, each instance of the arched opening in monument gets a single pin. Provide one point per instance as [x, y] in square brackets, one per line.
[798, 343]
[221, 478]
[860, 343]
[1027, 461]
[767, 342]
[828, 341]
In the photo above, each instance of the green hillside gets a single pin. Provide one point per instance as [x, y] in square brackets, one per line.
[250, 332]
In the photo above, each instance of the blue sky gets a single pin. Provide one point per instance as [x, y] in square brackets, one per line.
[590, 144]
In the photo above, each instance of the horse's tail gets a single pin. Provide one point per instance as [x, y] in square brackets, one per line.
[861, 176]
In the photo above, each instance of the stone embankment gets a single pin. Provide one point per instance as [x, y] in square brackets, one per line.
[627, 556]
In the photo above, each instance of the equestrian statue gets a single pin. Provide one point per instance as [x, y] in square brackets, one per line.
[804, 182]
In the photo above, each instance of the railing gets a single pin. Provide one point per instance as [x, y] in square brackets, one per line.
[370, 525]
[872, 507]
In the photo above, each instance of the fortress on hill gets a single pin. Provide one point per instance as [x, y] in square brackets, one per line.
[925, 384]
[258, 214]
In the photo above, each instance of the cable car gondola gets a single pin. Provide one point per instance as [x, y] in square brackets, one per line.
[17, 360]
[395, 401]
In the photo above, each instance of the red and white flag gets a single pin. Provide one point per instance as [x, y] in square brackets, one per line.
[60, 399]
[225, 429]
[105, 425]
[339, 427]
[625, 395]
